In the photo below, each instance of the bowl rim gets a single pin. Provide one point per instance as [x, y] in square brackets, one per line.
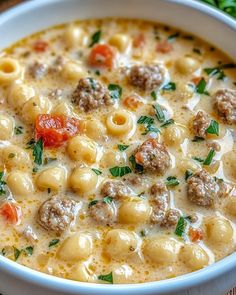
[164, 286]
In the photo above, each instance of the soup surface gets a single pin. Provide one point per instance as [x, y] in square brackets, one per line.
[117, 152]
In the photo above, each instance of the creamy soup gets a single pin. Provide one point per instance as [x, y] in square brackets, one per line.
[117, 152]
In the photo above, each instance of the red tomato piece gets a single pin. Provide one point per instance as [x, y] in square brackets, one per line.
[40, 46]
[56, 129]
[139, 41]
[195, 234]
[164, 47]
[101, 55]
[11, 212]
[132, 102]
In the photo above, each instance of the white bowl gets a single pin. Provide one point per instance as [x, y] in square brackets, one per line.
[188, 15]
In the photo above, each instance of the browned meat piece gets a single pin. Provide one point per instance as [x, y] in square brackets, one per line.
[115, 189]
[202, 189]
[153, 156]
[38, 70]
[146, 77]
[103, 212]
[225, 104]
[90, 95]
[171, 218]
[160, 201]
[200, 124]
[56, 214]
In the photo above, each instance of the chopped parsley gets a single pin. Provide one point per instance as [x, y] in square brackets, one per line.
[38, 152]
[108, 200]
[95, 38]
[188, 173]
[17, 253]
[92, 83]
[213, 128]
[18, 130]
[151, 128]
[209, 157]
[198, 159]
[2, 184]
[137, 167]
[154, 95]
[115, 91]
[29, 250]
[122, 147]
[197, 139]
[3, 252]
[201, 87]
[118, 171]
[170, 86]
[172, 181]
[96, 171]
[167, 123]
[107, 278]
[173, 37]
[218, 70]
[30, 144]
[53, 243]
[159, 113]
[92, 203]
[180, 227]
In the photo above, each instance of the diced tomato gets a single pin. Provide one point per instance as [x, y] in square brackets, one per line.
[11, 212]
[139, 41]
[196, 80]
[56, 129]
[132, 102]
[101, 55]
[164, 47]
[40, 46]
[195, 234]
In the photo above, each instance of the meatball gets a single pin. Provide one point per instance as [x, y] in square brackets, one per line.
[103, 212]
[202, 189]
[146, 77]
[200, 124]
[56, 214]
[153, 157]
[171, 218]
[38, 70]
[160, 201]
[90, 95]
[115, 189]
[225, 104]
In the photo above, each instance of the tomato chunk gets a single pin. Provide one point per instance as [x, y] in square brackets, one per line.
[164, 47]
[132, 102]
[56, 129]
[101, 55]
[139, 41]
[11, 212]
[40, 46]
[195, 234]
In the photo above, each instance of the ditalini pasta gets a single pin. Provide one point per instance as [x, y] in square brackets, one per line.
[117, 152]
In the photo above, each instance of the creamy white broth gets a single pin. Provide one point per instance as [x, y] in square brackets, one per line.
[155, 249]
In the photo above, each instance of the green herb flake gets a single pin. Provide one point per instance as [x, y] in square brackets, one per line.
[53, 243]
[11, 155]
[30, 144]
[122, 147]
[3, 252]
[159, 113]
[172, 181]
[38, 152]
[180, 227]
[49, 160]
[201, 87]
[173, 37]
[29, 250]
[137, 167]
[145, 120]
[167, 123]
[198, 159]
[143, 233]
[197, 139]
[150, 128]
[96, 171]
[115, 91]
[107, 278]
[218, 70]
[17, 253]
[18, 130]
[108, 200]
[171, 86]
[209, 157]
[213, 128]
[188, 173]
[119, 171]
[93, 83]
[95, 38]
[2, 184]
[154, 95]
[92, 203]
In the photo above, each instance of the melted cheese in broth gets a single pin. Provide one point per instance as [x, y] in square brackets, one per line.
[141, 185]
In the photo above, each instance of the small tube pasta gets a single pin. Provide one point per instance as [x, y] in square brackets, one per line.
[119, 123]
[10, 69]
